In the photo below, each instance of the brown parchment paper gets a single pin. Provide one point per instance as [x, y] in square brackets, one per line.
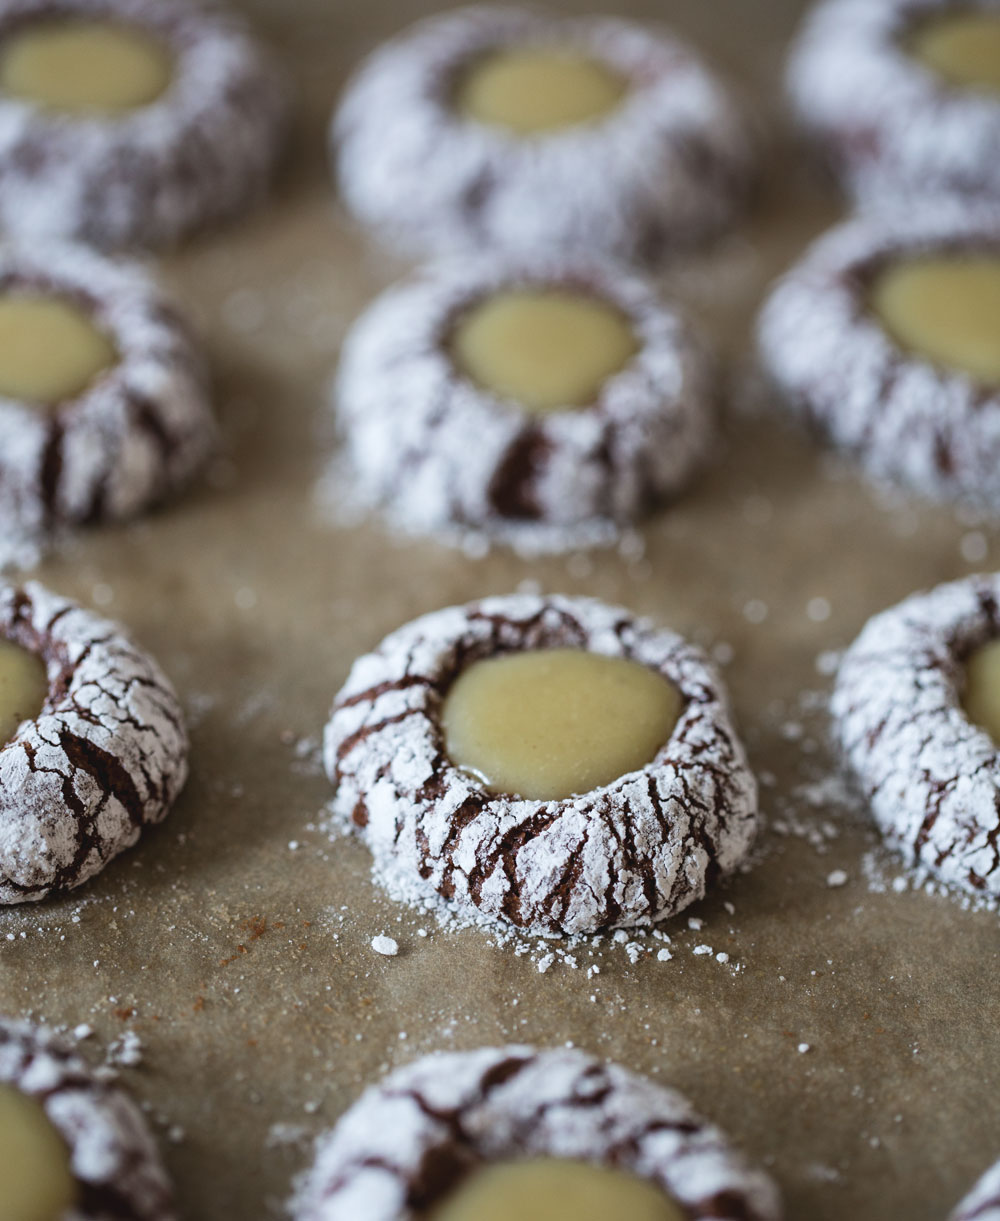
[243, 962]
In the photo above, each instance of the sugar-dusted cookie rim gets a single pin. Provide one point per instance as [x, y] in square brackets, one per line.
[105, 757]
[983, 1201]
[933, 429]
[202, 150]
[439, 452]
[411, 1138]
[892, 126]
[930, 775]
[629, 853]
[137, 433]
[668, 167]
[113, 1157]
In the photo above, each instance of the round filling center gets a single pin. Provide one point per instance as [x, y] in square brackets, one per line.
[529, 90]
[50, 349]
[37, 1182]
[547, 349]
[548, 1189]
[981, 699]
[549, 723]
[24, 685]
[963, 48]
[81, 65]
[945, 308]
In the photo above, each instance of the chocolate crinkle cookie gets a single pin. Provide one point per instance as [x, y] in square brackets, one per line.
[630, 843]
[83, 1151]
[431, 1129]
[900, 96]
[507, 127]
[95, 744]
[930, 772]
[104, 406]
[131, 122]
[446, 438]
[983, 1201]
[872, 340]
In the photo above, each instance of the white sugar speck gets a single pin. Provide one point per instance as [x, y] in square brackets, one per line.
[388, 946]
[663, 955]
[804, 1047]
[702, 949]
[818, 610]
[974, 547]
[838, 877]
[755, 611]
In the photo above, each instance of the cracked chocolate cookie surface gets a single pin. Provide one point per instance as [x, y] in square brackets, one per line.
[105, 757]
[113, 1159]
[631, 852]
[200, 151]
[932, 428]
[132, 435]
[931, 776]
[440, 452]
[667, 166]
[893, 128]
[983, 1201]
[410, 1140]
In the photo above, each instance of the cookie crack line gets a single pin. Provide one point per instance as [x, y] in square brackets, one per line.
[628, 853]
[78, 784]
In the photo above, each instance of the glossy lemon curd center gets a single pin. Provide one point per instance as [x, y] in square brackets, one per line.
[37, 1182]
[530, 90]
[545, 349]
[50, 349]
[81, 66]
[981, 698]
[551, 723]
[945, 308]
[963, 48]
[548, 1189]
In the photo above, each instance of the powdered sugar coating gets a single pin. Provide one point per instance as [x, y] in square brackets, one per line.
[931, 776]
[113, 1157]
[983, 1201]
[669, 166]
[630, 853]
[106, 756]
[893, 127]
[933, 429]
[201, 151]
[440, 451]
[409, 1140]
[138, 432]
